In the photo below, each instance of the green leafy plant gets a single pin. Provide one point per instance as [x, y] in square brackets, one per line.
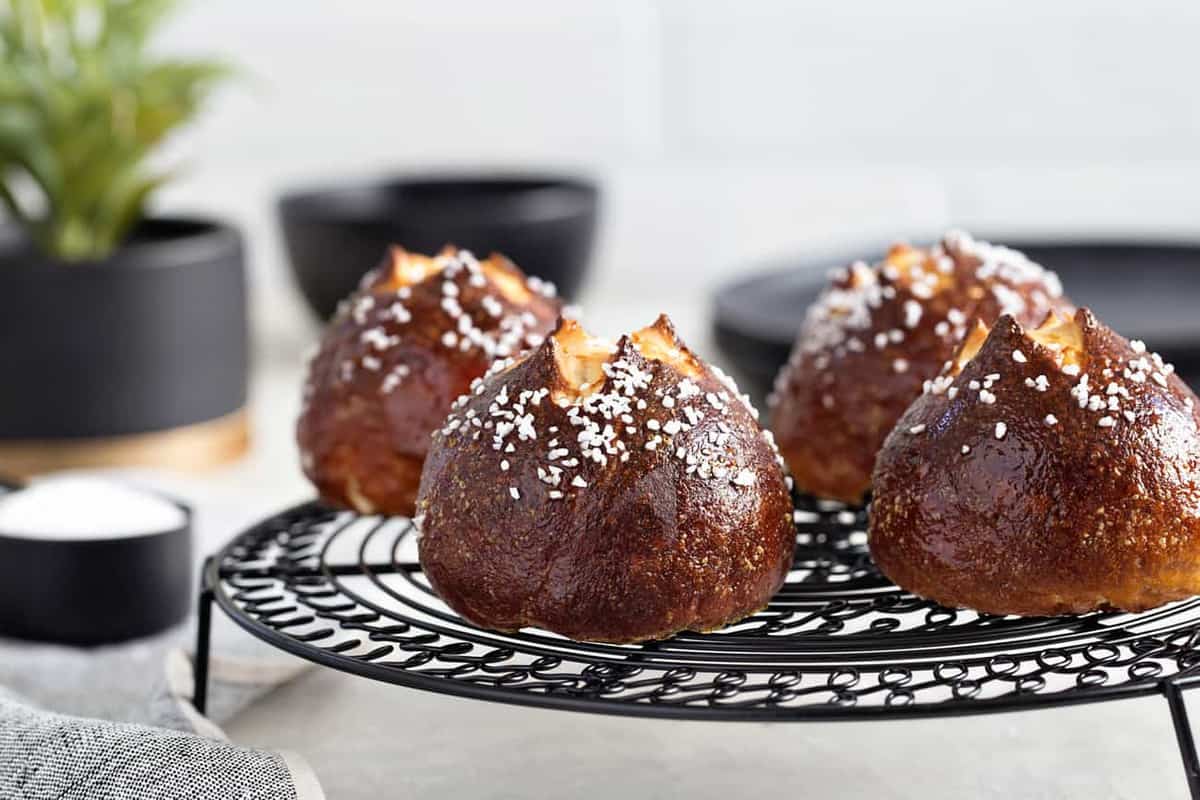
[82, 106]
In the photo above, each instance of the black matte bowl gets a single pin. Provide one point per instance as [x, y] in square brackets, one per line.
[545, 224]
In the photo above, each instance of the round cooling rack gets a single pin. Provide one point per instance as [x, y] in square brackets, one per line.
[839, 641]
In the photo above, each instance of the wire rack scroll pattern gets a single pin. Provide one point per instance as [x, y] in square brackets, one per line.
[838, 641]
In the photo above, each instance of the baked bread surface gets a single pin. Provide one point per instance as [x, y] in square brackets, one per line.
[394, 358]
[875, 336]
[605, 493]
[1045, 477]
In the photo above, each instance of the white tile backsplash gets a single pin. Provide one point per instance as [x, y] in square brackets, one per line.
[934, 81]
[356, 84]
[1156, 199]
[675, 231]
[725, 132]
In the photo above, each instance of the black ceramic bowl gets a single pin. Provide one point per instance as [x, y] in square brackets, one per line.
[152, 338]
[545, 224]
[96, 590]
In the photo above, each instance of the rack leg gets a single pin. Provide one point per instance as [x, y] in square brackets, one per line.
[203, 638]
[1183, 735]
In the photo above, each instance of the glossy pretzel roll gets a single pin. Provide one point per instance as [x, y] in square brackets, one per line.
[1045, 471]
[395, 357]
[605, 492]
[875, 336]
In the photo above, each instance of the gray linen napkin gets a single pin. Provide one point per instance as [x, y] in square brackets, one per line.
[48, 755]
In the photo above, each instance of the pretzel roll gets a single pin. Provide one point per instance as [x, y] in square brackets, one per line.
[395, 357]
[1046, 471]
[875, 336]
[605, 492]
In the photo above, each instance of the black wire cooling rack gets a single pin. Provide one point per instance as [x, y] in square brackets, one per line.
[837, 642]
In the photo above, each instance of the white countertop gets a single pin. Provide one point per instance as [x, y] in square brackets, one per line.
[368, 739]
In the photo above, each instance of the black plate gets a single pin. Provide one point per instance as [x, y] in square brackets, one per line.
[1143, 290]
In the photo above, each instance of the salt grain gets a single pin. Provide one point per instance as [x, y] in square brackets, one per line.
[912, 313]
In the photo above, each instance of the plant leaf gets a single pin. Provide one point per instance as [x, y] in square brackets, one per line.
[83, 104]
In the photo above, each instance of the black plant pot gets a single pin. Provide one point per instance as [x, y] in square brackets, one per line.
[139, 358]
[545, 224]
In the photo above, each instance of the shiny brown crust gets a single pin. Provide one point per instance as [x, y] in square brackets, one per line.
[386, 372]
[1044, 516]
[693, 534]
[844, 387]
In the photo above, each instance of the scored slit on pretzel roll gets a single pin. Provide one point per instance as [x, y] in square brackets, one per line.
[1045, 471]
[605, 492]
[875, 335]
[394, 358]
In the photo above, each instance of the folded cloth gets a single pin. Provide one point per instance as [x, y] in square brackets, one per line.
[148, 681]
[120, 683]
[48, 755]
[141, 736]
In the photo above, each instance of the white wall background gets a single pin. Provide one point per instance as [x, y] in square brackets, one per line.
[724, 132]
